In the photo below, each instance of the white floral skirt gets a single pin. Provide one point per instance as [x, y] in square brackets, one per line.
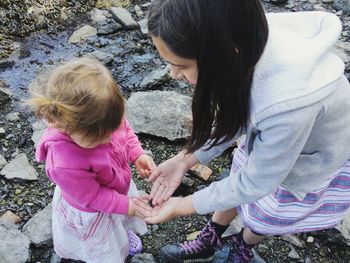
[92, 237]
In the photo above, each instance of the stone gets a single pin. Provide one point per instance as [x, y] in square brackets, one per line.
[143, 26]
[110, 3]
[192, 236]
[294, 240]
[201, 171]
[235, 227]
[19, 168]
[3, 161]
[14, 245]
[342, 49]
[104, 57]
[138, 11]
[344, 227]
[343, 5]
[13, 116]
[187, 181]
[310, 239]
[99, 16]
[38, 131]
[293, 254]
[165, 114]
[319, 7]
[5, 93]
[328, 1]
[82, 33]
[124, 17]
[11, 217]
[2, 131]
[155, 77]
[143, 258]
[39, 228]
[110, 27]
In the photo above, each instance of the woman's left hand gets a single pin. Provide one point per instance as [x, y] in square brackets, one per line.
[144, 165]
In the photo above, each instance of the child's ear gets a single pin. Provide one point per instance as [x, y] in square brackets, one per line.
[53, 123]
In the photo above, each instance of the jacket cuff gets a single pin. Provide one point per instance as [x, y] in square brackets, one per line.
[135, 153]
[122, 206]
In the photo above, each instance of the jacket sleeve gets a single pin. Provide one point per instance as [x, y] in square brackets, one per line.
[204, 156]
[82, 187]
[275, 150]
[133, 142]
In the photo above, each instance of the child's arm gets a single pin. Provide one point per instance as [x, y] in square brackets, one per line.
[81, 187]
[133, 142]
[143, 162]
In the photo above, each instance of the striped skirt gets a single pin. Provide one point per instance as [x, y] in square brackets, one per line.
[281, 212]
[92, 237]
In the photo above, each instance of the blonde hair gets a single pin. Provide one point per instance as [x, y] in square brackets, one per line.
[82, 95]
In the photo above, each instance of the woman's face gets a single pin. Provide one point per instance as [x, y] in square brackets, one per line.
[181, 68]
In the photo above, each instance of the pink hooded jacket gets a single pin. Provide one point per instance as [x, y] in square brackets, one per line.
[91, 180]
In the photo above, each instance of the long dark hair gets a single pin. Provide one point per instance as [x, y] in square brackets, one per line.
[227, 38]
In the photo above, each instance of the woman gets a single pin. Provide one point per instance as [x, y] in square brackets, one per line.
[274, 80]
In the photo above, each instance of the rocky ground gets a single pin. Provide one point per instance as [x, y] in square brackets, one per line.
[39, 34]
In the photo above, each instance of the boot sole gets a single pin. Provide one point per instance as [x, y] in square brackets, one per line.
[165, 258]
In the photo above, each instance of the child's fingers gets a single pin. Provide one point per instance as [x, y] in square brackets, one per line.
[143, 206]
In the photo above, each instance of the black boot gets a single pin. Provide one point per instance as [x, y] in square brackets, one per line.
[201, 249]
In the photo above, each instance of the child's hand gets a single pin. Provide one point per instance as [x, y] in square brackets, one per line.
[139, 206]
[144, 165]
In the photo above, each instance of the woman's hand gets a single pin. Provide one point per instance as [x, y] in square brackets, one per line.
[139, 206]
[168, 175]
[166, 179]
[144, 165]
[175, 206]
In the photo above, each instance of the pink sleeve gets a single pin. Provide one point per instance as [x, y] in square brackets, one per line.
[134, 143]
[82, 187]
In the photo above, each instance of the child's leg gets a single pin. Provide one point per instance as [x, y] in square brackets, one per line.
[224, 217]
[251, 238]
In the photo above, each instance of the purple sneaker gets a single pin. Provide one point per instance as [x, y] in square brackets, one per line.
[240, 251]
[201, 249]
[135, 244]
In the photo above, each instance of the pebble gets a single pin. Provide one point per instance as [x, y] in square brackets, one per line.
[2, 131]
[310, 239]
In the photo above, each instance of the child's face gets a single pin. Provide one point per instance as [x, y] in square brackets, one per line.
[181, 68]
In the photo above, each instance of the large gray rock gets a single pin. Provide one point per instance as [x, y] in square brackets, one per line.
[5, 93]
[104, 57]
[155, 77]
[143, 258]
[82, 33]
[343, 5]
[124, 17]
[164, 114]
[3, 161]
[38, 131]
[19, 168]
[342, 49]
[39, 227]
[344, 227]
[14, 245]
[103, 21]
